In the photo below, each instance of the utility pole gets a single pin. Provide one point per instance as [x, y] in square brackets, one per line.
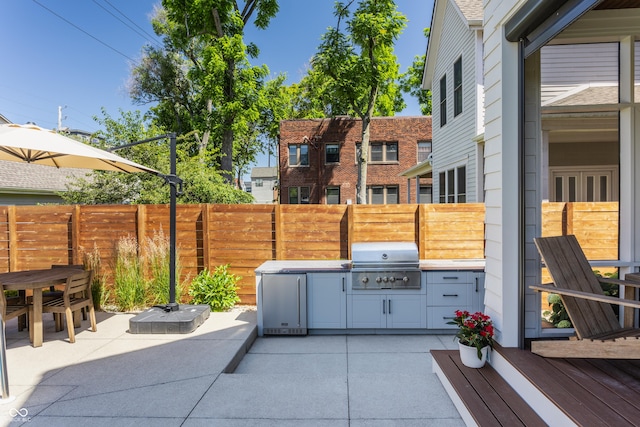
[60, 118]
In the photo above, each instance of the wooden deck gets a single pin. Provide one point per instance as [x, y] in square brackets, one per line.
[587, 392]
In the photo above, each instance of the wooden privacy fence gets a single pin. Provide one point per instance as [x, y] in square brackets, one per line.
[245, 236]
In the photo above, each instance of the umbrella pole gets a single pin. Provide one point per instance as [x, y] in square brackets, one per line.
[173, 182]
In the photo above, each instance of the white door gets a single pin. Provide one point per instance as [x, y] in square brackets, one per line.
[584, 184]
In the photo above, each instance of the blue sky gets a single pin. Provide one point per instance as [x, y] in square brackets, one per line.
[77, 54]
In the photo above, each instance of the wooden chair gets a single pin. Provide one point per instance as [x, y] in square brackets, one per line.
[599, 333]
[55, 292]
[12, 309]
[76, 295]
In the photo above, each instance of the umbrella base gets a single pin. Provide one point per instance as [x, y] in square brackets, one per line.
[160, 320]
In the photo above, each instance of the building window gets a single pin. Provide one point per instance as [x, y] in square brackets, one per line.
[424, 149]
[381, 194]
[426, 194]
[298, 154]
[333, 195]
[457, 87]
[380, 152]
[299, 195]
[258, 182]
[452, 185]
[443, 100]
[332, 153]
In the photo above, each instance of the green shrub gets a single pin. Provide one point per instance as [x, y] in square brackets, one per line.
[558, 314]
[217, 289]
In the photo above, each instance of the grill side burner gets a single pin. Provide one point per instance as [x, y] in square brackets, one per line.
[385, 265]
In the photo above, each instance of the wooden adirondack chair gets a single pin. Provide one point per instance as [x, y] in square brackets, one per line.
[598, 331]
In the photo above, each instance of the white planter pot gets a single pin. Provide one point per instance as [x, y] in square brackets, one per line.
[469, 356]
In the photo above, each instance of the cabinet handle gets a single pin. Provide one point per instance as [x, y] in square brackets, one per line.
[449, 295]
[343, 284]
[450, 277]
[298, 301]
[476, 283]
[448, 317]
[384, 306]
[389, 306]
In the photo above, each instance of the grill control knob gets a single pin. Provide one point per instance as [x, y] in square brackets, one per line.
[385, 279]
[378, 279]
[365, 279]
[405, 279]
[392, 279]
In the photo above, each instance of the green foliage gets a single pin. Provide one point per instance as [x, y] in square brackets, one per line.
[217, 289]
[558, 315]
[92, 261]
[361, 68]
[129, 287]
[411, 81]
[202, 81]
[157, 252]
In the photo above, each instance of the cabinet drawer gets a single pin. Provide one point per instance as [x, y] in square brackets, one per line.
[437, 317]
[455, 294]
[447, 277]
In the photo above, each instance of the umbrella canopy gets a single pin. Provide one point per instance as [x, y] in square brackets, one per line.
[33, 144]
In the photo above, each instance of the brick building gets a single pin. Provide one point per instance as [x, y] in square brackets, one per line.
[318, 164]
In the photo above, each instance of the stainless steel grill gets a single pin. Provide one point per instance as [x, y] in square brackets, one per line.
[385, 265]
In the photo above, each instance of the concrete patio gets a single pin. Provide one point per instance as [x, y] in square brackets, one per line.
[114, 378]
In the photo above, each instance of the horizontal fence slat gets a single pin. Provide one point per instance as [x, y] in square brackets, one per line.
[244, 236]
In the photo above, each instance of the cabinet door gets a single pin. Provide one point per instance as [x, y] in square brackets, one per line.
[327, 300]
[406, 311]
[367, 311]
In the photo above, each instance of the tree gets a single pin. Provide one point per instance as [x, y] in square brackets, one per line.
[361, 67]
[411, 81]
[201, 184]
[201, 79]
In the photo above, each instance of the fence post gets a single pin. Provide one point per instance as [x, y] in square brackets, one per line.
[13, 238]
[206, 242]
[422, 230]
[75, 236]
[278, 231]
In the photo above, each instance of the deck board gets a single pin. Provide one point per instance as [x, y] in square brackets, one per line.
[591, 392]
[487, 397]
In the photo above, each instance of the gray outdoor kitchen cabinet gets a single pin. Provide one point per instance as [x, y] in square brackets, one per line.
[448, 291]
[385, 309]
[327, 300]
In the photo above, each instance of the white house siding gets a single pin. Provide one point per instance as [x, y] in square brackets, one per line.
[571, 67]
[501, 169]
[453, 143]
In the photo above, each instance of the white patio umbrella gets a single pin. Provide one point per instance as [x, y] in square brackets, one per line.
[33, 144]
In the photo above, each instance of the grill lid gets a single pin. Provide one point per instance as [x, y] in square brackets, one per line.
[380, 254]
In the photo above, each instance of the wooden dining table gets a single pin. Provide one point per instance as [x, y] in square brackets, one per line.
[36, 280]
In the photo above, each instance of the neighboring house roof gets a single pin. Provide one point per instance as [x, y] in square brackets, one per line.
[589, 95]
[264, 172]
[470, 12]
[3, 119]
[16, 176]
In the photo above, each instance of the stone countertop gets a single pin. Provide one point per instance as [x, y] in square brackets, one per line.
[310, 266]
[452, 264]
[304, 266]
